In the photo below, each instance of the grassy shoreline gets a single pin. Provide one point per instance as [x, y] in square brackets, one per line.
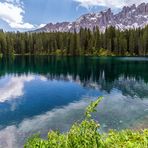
[100, 53]
[86, 55]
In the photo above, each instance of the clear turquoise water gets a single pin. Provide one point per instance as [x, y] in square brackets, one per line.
[40, 93]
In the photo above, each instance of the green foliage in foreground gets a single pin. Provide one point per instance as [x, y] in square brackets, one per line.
[86, 135]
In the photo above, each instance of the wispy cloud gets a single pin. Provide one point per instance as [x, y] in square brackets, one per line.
[16, 2]
[61, 118]
[12, 12]
[41, 25]
[107, 3]
[14, 88]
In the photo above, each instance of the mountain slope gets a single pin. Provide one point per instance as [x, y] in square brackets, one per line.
[128, 17]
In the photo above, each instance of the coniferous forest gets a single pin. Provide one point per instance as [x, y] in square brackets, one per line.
[132, 42]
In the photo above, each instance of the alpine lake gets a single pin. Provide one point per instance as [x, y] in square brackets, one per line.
[43, 93]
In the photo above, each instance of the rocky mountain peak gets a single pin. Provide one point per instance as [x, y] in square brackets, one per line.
[129, 17]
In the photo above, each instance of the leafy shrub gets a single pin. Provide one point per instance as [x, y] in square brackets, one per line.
[86, 135]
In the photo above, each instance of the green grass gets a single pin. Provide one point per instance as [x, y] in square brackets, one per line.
[86, 135]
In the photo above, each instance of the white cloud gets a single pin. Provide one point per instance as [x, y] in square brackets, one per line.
[108, 3]
[18, 2]
[92, 3]
[22, 26]
[136, 2]
[41, 25]
[12, 12]
[14, 88]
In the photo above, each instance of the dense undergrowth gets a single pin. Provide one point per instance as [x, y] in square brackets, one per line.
[86, 135]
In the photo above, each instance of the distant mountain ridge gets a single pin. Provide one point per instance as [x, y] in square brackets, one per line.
[129, 17]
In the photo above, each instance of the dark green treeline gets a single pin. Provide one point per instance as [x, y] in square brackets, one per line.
[86, 42]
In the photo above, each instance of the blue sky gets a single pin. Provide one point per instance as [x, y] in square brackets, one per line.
[30, 14]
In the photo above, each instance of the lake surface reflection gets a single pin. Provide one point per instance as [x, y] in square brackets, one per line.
[40, 93]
